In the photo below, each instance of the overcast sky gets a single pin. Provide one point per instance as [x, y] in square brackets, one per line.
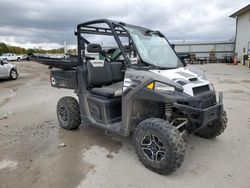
[48, 23]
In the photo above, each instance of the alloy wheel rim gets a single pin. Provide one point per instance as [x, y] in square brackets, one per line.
[14, 74]
[153, 148]
[63, 115]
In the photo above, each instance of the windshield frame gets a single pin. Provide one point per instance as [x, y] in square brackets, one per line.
[144, 30]
[112, 29]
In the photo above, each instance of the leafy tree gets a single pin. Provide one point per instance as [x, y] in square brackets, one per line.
[30, 51]
[3, 48]
[72, 51]
[18, 50]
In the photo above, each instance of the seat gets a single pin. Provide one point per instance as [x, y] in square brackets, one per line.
[117, 71]
[99, 73]
[114, 90]
[104, 78]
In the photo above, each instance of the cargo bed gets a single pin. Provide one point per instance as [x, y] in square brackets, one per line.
[66, 79]
[62, 63]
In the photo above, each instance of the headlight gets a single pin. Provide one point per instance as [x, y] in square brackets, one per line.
[161, 87]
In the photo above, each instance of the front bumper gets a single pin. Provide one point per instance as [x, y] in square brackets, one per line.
[200, 118]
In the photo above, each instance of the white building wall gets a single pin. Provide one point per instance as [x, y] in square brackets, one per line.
[243, 34]
[221, 48]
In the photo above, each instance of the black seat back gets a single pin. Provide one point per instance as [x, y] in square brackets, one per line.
[117, 71]
[99, 73]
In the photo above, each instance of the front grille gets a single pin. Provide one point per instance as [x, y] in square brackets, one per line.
[208, 102]
[200, 89]
[203, 101]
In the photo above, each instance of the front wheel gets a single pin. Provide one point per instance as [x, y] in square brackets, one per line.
[13, 74]
[214, 129]
[68, 113]
[159, 145]
[18, 59]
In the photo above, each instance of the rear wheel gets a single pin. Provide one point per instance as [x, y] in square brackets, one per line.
[159, 146]
[13, 74]
[68, 113]
[214, 129]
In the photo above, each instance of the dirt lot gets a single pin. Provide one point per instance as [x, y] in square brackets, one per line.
[30, 139]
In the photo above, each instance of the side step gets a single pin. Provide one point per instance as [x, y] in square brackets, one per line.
[114, 128]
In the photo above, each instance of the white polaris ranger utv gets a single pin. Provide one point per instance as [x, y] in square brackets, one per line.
[141, 88]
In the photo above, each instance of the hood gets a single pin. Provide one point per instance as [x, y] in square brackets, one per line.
[192, 82]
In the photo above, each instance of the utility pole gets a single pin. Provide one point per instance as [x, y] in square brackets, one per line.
[65, 47]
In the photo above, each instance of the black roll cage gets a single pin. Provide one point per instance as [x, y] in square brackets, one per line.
[87, 28]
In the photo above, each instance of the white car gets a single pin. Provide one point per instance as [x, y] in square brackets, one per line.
[11, 57]
[8, 70]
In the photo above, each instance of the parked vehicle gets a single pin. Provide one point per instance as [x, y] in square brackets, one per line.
[11, 57]
[8, 70]
[145, 89]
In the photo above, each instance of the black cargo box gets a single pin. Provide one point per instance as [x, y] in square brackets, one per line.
[64, 79]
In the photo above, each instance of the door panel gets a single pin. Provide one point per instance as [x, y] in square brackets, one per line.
[4, 71]
[11, 57]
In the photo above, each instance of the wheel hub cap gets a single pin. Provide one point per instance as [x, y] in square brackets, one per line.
[14, 75]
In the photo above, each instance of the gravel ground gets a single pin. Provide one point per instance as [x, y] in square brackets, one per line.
[35, 152]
